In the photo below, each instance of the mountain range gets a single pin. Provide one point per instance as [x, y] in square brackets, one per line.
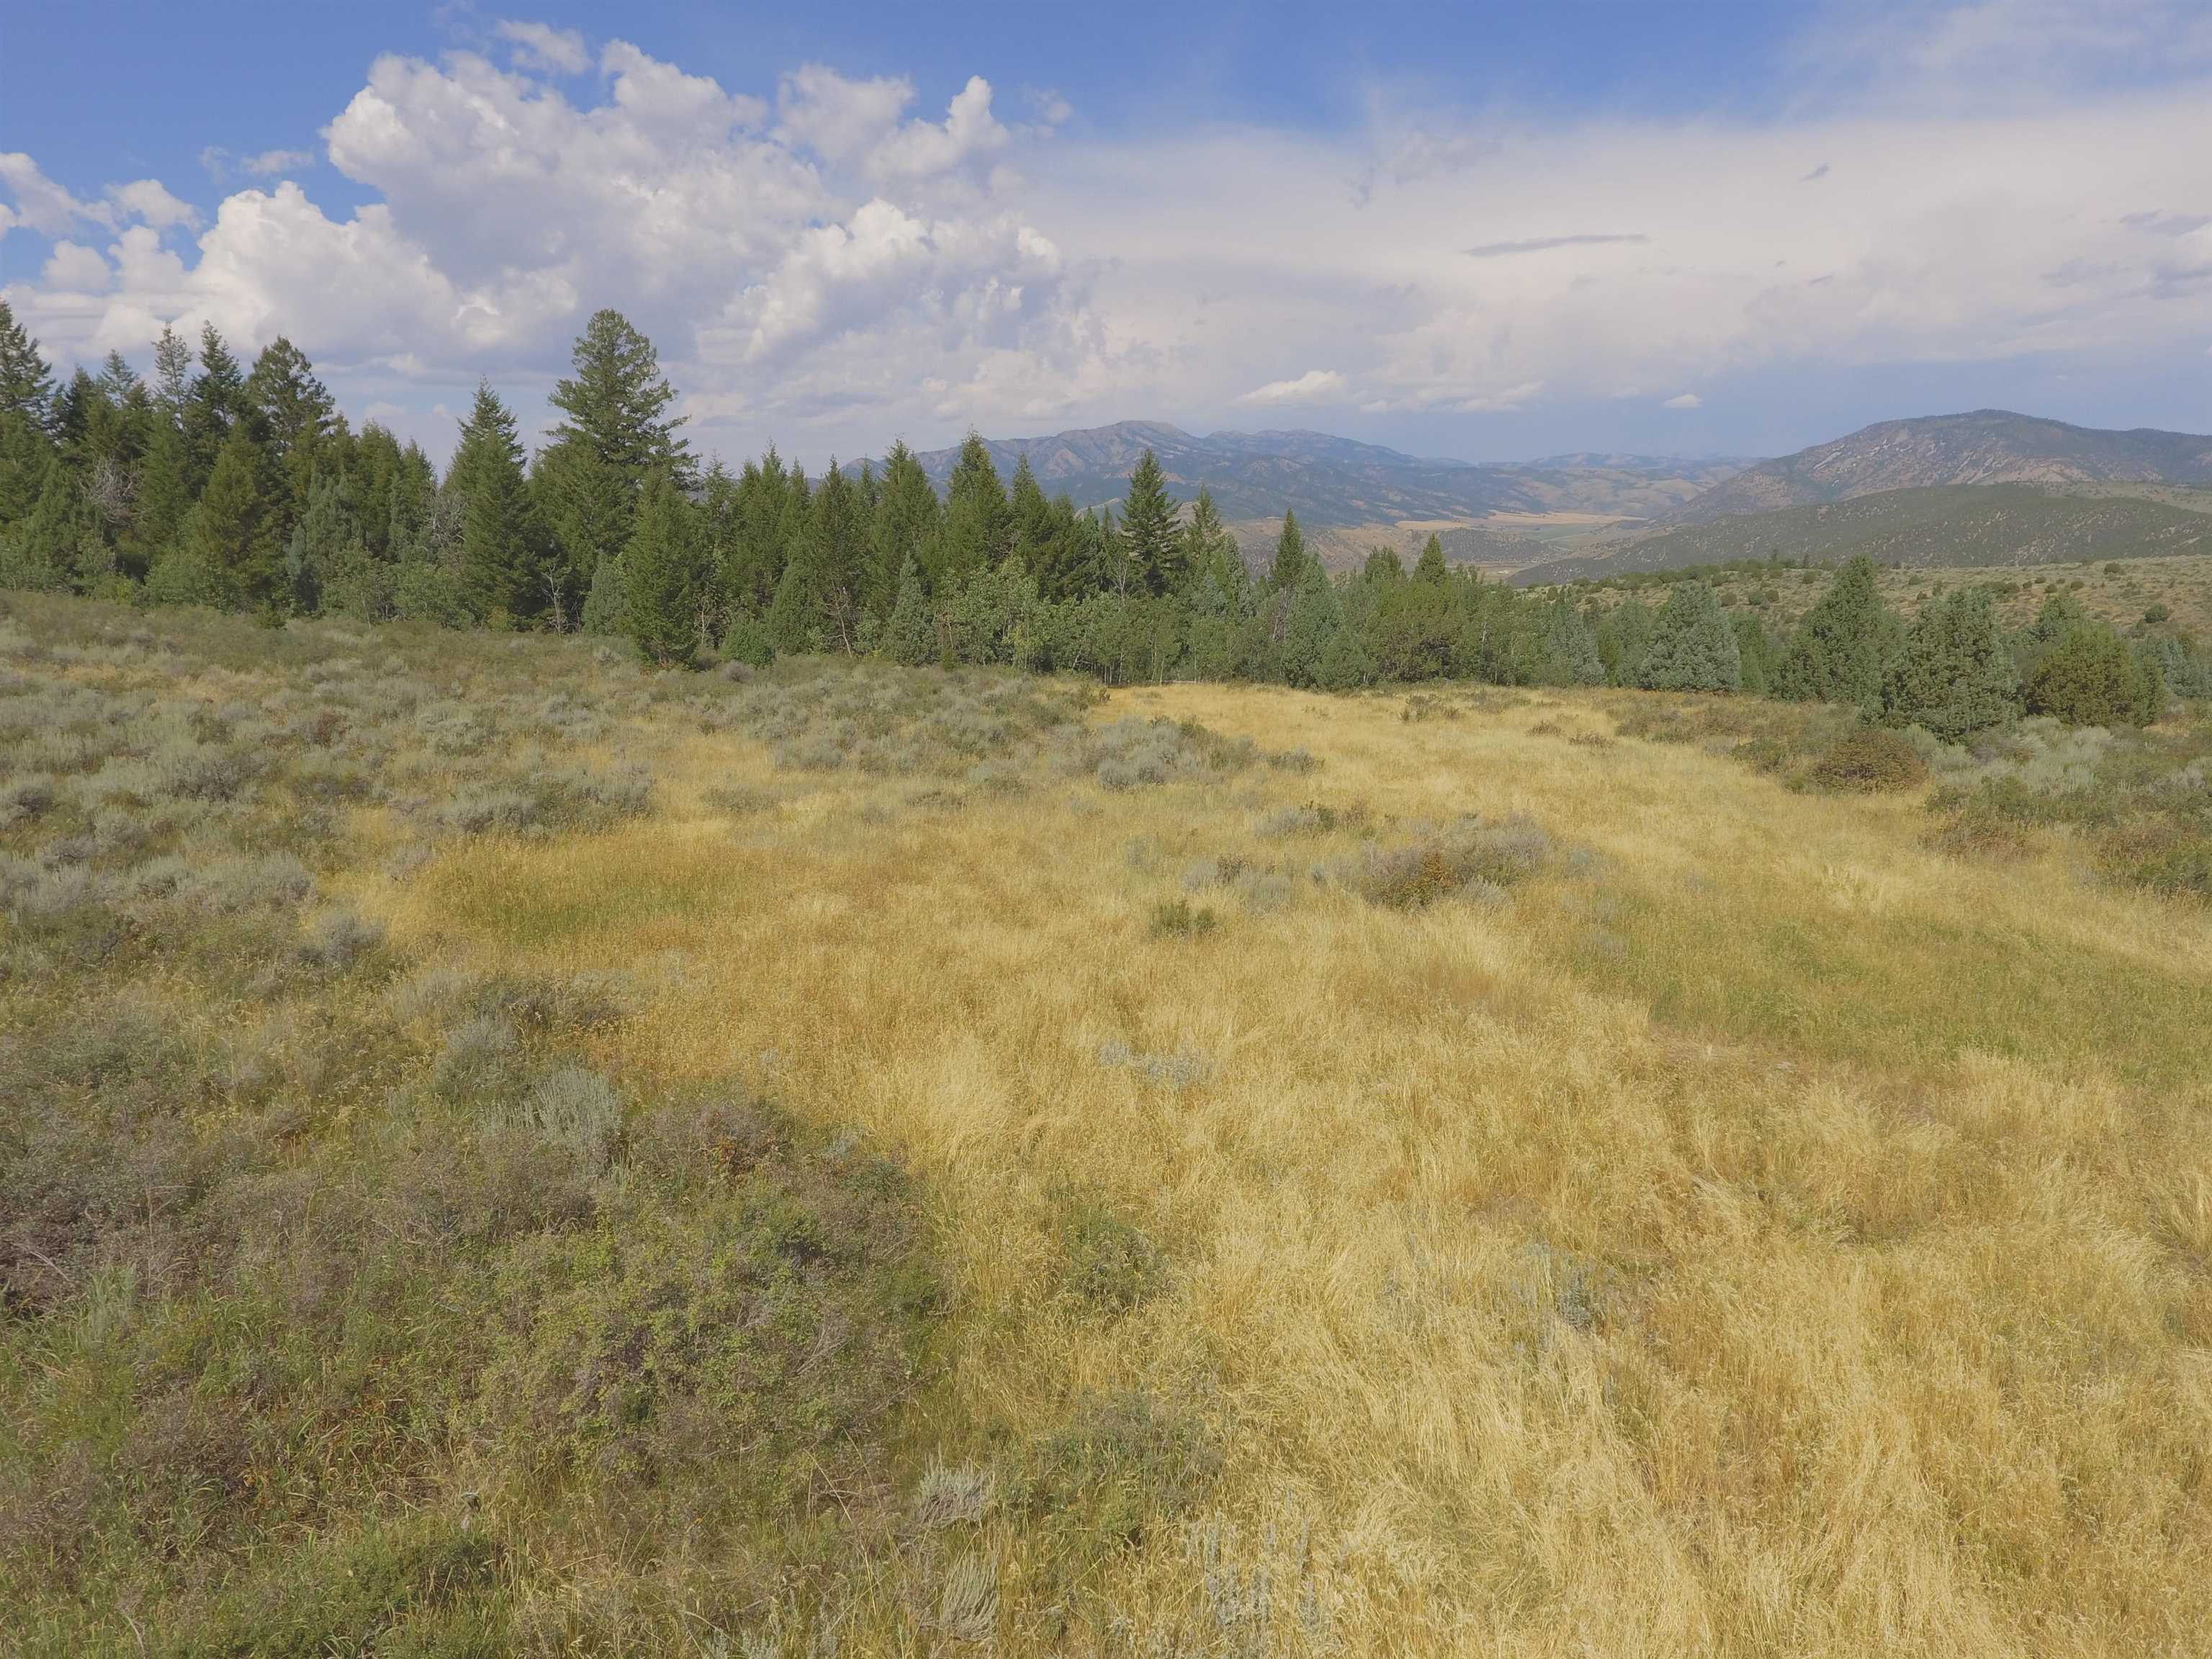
[1986, 447]
[1333, 482]
[1985, 487]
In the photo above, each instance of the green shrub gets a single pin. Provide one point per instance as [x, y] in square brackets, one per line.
[2166, 856]
[1692, 648]
[1953, 677]
[1106, 1264]
[2090, 678]
[1125, 1464]
[1869, 761]
[1466, 856]
[1175, 919]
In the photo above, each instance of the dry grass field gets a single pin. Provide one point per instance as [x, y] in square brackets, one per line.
[1390, 1175]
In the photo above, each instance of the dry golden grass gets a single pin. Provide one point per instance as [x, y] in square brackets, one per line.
[1759, 1234]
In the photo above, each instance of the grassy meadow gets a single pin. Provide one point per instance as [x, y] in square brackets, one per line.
[506, 1152]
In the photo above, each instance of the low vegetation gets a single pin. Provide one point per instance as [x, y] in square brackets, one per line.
[515, 1151]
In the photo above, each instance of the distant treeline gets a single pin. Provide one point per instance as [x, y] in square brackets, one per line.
[245, 489]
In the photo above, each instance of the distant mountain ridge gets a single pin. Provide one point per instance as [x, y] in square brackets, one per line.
[1984, 447]
[1329, 481]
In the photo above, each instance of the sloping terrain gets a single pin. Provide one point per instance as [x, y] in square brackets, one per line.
[1986, 447]
[1336, 482]
[530, 1155]
[1947, 526]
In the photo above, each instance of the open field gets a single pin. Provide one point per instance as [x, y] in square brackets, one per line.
[507, 1152]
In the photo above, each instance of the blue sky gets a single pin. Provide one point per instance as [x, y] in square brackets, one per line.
[1491, 231]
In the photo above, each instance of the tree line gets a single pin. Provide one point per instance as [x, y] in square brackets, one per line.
[245, 487]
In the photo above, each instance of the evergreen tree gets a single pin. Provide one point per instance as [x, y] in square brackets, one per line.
[1156, 565]
[173, 375]
[1344, 664]
[746, 641]
[978, 522]
[214, 404]
[1567, 647]
[1953, 677]
[1624, 634]
[295, 409]
[752, 558]
[790, 623]
[904, 530]
[1383, 569]
[1430, 567]
[26, 388]
[294, 417]
[662, 567]
[584, 508]
[1289, 566]
[499, 537]
[834, 550]
[1312, 621]
[1210, 549]
[910, 635]
[1080, 563]
[229, 545]
[324, 560]
[26, 407]
[2060, 616]
[1692, 647]
[2090, 677]
[1755, 649]
[1843, 645]
[47, 550]
[617, 406]
[26, 452]
[164, 495]
[606, 604]
[1031, 520]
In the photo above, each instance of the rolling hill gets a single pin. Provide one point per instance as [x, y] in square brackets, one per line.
[1331, 482]
[1987, 446]
[1958, 525]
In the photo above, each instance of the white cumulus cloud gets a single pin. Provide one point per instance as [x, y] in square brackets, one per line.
[541, 46]
[1315, 386]
[149, 200]
[841, 262]
[1685, 400]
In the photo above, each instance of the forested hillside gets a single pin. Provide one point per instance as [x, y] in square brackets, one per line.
[1958, 524]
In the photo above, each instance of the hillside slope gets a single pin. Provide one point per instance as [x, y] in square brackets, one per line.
[2006, 524]
[1336, 482]
[1988, 446]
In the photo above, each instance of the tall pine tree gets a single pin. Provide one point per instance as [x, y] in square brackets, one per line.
[978, 522]
[907, 523]
[229, 555]
[499, 533]
[661, 568]
[617, 404]
[1157, 564]
[1289, 565]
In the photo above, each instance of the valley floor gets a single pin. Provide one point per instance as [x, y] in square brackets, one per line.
[1736, 1228]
